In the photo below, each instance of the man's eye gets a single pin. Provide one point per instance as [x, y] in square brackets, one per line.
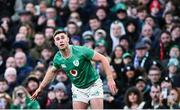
[57, 38]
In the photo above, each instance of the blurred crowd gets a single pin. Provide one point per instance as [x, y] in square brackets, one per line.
[140, 38]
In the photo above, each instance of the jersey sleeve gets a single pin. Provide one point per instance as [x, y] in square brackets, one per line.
[88, 53]
[55, 62]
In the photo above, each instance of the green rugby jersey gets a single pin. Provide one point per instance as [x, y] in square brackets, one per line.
[78, 66]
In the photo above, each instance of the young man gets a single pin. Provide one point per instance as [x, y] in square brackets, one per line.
[76, 61]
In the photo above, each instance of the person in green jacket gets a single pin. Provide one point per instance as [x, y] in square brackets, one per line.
[21, 99]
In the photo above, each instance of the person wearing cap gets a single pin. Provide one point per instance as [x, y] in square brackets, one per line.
[31, 84]
[76, 61]
[129, 77]
[142, 58]
[141, 85]
[173, 67]
[127, 58]
[61, 101]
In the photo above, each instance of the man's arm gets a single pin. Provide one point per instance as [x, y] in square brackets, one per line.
[109, 75]
[48, 77]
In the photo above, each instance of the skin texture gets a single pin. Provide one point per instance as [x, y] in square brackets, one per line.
[61, 40]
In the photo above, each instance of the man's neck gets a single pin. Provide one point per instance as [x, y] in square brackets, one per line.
[66, 52]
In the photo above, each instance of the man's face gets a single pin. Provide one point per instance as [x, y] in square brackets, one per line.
[49, 33]
[147, 31]
[73, 5]
[20, 59]
[46, 54]
[116, 30]
[155, 93]
[165, 39]
[154, 76]
[141, 53]
[61, 41]
[10, 62]
[71, 28]
[102, 3]
[59, 94]
[11, 78]
[3, 86]
[140, 85]
[39, 39]
[94, 24]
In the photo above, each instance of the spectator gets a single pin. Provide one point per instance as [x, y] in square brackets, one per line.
[23, 69]
[133, 99]
[5, 101]
[11, 77]
[154, 76]
[21, 99]
[10, 62]
[154, 102]
[62, 101]
[174, 98]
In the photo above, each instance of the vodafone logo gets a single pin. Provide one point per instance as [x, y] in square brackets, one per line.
[73, 72]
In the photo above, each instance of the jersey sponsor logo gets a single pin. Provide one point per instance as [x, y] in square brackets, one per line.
[73, 72]
[63, 65]
[76, 62]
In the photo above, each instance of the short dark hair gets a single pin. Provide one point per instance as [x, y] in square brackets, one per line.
[135, 91]
[60, 31]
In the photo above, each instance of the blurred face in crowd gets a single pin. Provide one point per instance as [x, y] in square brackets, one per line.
[30, 7]
[10, 62]
[154, 76]
[174, 94]
[155, 93]
[94, 24]
[73, 5]
[141, 52]
[42, 7]
[32, 85]
[25, 18]
[127, 60]
[59, 3]
[133, 97]
[23, 30]
[150, 21]
[61, 76]
[46, 54]
[147, 31]
[51, 95]
[61, 41]
[59, 94]
[124, 43]
[75, 17]
[172, 69]
[144, 2]
[168, 18]
[39, 74]
[39, 39]
[50, 13]
[142, 14]
[20, 59]
[121, 15]
[100, 48]
[101, 14]
[175, 33]
[103, 3]
[174, 52]
[118, 52]
[51, 23]
[72, 28]
[49, 33]
[165, 39]
[20, 37]
[140, 85]
[116, 30]
[130, 74]
[10, 75]
[3, 86]
[131, 28]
